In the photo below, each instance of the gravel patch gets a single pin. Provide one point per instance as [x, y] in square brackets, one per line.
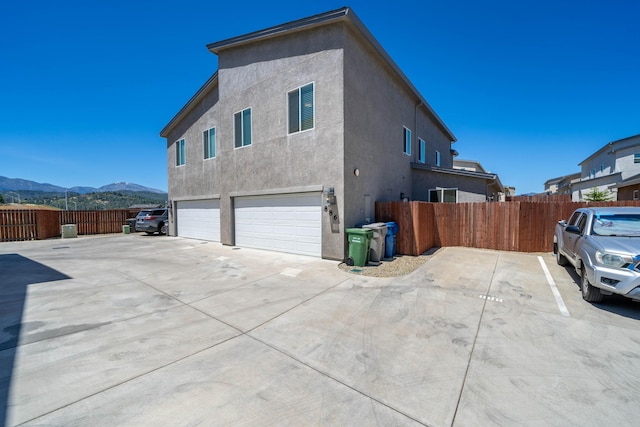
[399, 266]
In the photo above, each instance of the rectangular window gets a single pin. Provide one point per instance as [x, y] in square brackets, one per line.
[301, 109]
[242, 128]
[406, 149]
[636, 158]
[636, 194]
[180, 155]
[437, 158]
[443, 195]
[421, 151]
[209, 141]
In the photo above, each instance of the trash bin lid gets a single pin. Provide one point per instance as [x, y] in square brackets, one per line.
[392, 227]
[361, 231]
[376, 225]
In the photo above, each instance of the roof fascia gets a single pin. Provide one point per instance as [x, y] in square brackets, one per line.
[451, 171]
[344, 14]
[610, 145]
[278, 30]
[199, 95]
[491, 177]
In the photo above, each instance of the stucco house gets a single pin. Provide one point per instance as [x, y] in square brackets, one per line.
[561, 184]
[615, 167]
[302, 128]
[486, 185]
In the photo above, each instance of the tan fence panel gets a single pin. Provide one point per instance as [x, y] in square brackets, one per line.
[32, 224]
[524, 226]
[17, 225]
[96, 222]
[48, 224]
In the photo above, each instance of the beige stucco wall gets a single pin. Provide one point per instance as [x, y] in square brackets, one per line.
[259, 76]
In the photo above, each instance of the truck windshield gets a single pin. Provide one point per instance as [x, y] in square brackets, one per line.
[616, 225]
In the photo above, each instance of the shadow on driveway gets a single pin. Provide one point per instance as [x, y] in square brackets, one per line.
[615, 304]
[16, 273]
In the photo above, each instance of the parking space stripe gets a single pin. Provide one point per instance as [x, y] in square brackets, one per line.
[554, 289]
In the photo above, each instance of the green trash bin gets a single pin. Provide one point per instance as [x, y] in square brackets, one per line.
[359, 242]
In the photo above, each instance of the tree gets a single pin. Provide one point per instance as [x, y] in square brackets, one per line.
[1, 199]
[597, 195]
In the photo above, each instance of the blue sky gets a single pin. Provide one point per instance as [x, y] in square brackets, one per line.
[529, 88]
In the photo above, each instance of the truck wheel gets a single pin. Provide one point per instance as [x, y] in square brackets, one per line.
[163, 229]
[589, 292]
[560, 259]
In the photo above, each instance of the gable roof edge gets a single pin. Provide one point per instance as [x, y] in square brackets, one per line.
[347, 15]
[197, 97]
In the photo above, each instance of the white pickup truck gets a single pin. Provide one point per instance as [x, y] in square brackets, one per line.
[603, 245]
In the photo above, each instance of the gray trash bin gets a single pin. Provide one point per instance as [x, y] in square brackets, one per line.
[376, 251]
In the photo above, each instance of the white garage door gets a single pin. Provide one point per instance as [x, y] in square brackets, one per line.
[199, 219]
[286, 223]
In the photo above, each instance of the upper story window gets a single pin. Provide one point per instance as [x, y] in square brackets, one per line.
[209, 141]
[301, 109]
[421, 151]
[636, 158]
[437, 158]
[180, 154]
[406, 149]
[242, 128]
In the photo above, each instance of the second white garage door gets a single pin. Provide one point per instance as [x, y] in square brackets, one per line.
[199, 219]
[286, 223]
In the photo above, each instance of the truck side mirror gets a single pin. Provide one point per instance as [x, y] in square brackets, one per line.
[573, 229]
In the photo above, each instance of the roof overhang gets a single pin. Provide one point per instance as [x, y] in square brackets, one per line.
[613, 147]
[490, 177]
[195, 99]
[632, 180]
[346, 15]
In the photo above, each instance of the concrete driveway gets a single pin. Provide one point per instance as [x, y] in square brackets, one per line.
[154, 330]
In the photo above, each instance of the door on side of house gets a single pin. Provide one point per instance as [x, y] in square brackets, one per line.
[198, 219]
[284, 222]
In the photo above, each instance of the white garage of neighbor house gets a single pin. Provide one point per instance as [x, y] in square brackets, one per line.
[286, 222]
[198, 219]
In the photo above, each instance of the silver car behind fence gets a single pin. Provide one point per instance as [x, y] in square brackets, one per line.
[152, 221]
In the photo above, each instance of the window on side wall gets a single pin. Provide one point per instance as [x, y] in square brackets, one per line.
[636, 158]
[180, 154]
[406, 149]
[421, 151]
[636, 194]
[301, 109]
[443, 195]
[437, 158]
[209, 141]
[242, 128]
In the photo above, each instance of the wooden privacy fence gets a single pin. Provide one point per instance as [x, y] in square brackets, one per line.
[34, 224]
[511, 226]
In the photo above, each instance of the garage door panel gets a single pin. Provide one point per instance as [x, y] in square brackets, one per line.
[288, 223]
[199, 219]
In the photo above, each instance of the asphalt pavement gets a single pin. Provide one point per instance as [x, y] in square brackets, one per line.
[156, 330]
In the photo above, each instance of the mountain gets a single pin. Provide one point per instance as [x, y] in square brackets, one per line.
[17, 184]
[127, 186]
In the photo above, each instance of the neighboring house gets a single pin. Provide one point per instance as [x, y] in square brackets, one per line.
[561, 184]
[487, 185]
[614, 167]
[300, 131]
[629, 189]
